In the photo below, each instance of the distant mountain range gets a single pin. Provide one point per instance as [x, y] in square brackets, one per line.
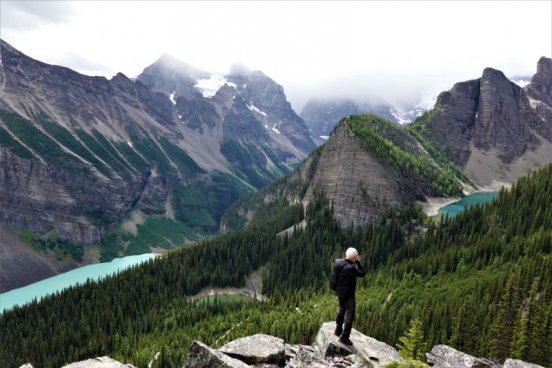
[481, 135]
[164, 155]
[322, 114]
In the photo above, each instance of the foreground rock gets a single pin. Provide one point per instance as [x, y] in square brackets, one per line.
[259, 348]
[516, 363]
[203, 356]
[369, 349]
[101, 362]
[443, 356]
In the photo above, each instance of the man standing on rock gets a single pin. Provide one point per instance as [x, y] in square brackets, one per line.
[346, 271]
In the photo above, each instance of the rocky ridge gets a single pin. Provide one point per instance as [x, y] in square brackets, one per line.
[492, 128]
[265, 351]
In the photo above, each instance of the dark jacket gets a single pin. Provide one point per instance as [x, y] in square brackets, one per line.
[346, 274]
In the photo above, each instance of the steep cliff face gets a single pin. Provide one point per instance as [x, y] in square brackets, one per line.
[361, 186]
[492, 128]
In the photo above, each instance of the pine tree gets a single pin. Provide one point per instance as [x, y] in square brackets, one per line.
[412, 345]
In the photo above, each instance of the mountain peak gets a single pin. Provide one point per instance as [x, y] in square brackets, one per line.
[491, 74]
[542, 80]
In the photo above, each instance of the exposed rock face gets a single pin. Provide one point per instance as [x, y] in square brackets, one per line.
[256, 349]
[360, 185]
[494, 129]
[102, 362]
[369, 349]
[443, 356]
[203, 356]
[516, 363]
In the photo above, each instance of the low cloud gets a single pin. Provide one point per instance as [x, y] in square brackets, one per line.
[28, 15]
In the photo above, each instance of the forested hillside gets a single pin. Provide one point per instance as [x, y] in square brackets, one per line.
[481, 282]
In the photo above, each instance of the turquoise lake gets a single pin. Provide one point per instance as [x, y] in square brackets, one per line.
[453, 209]
[59, 282]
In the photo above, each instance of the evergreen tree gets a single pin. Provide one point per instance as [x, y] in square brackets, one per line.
[412, 345]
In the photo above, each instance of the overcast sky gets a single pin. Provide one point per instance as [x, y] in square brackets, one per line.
[394, 51]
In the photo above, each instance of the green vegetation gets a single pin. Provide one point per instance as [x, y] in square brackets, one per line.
[487, 270]
[159, 232]
[184, 162]
[148, 148]
[412, 345]
[100, 151]
[17, 148]
[41, 143]
[64, 137]
[396, 147]
[62, 249]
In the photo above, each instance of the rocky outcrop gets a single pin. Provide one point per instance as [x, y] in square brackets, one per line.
[378, 353]
[271, 352]
[443, 356]
[102, 362]
[257, 349]
[492, 128]
[516, 363]
[203, 356]
[360, 185]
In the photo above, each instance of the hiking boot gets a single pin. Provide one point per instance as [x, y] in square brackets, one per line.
[338, 332]
[345, 341]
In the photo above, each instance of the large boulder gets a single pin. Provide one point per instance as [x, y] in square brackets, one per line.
[101, 362]
[443, 356]
[28, 365]
[377, 353]
[203, 356]
[256, 349]
[516, 363]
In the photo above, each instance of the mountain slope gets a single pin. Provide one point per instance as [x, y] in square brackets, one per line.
[81, 155]
[368, 167]
[492, 128]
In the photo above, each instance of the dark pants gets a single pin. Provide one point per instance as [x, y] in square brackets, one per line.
[346, 306]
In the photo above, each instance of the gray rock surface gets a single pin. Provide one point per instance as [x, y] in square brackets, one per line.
[28, 365]
[516, 363]
[493, 128]
[443, 356]
[203, 356]
[367, 348]
[361, 187]
[101, 362]
[255, 349]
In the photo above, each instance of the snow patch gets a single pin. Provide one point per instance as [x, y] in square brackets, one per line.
[325, 137]
[274, 129]
[256, 109]
[179, 116]
[171, 97]
[521, 82]
[130, 144]
[210, 86]
[401, 119]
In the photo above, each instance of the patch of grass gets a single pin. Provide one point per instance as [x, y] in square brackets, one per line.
[17, 148]
[65, 137]
[132, 157]
[184, 162]
[159, 232]
[148, 148]
[103, 153]
[62, 249]
[41, 143]
[112, 244]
